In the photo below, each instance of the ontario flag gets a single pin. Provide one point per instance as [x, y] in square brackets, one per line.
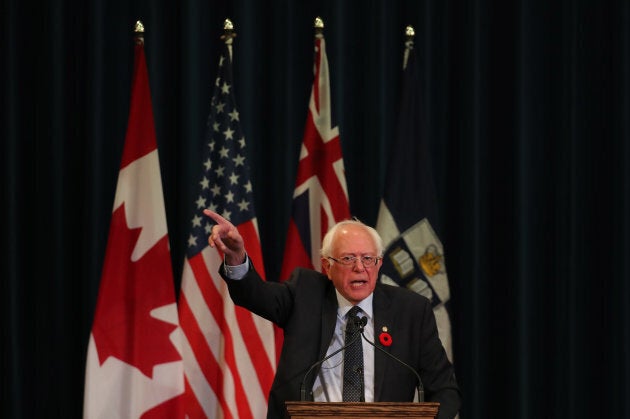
[320, 197]
[134, 368]
[229, 352]
[414, 255]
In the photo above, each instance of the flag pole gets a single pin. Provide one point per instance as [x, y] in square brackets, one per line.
[228, 35]
[410, 34]
[138, 33]
[319, 27]
[228, 31]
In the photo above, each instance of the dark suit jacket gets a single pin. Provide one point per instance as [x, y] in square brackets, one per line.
[305, 307]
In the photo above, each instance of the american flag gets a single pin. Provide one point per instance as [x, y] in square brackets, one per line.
[133, 364]
[229, 353]
[414, 255]
[320, 197]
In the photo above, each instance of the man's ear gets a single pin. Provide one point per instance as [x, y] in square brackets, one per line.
[326, 267]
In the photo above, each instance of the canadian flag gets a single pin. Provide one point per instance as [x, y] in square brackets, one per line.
[133, 364]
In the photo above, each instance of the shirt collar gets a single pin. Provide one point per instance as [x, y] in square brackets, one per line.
[343, 305]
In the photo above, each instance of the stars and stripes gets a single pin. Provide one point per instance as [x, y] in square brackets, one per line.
[229, 354]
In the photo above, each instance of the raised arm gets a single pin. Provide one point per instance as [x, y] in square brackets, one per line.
[226, 238]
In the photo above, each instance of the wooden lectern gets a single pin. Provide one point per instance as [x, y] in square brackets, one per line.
[359, 410]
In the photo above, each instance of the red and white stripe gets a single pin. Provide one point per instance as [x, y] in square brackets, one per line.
[229, 353]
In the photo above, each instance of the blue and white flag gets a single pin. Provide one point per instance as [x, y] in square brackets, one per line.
[414, 255]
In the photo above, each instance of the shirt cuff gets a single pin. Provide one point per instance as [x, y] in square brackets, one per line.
[237, 271]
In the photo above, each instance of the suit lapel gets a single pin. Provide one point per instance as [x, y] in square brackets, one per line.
[329, 320]
[382, 318]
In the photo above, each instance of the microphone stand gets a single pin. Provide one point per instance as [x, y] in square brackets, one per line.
[356, 337]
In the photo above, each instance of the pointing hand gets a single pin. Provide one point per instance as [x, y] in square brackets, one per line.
[226, 238]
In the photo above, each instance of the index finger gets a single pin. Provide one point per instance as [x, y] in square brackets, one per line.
[223, 223]
[217, 218]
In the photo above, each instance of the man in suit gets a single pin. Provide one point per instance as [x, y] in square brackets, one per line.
[311, 308]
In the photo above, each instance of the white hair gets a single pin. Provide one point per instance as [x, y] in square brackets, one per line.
[330, 235]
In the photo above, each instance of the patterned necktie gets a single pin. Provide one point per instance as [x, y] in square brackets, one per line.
[353, 361]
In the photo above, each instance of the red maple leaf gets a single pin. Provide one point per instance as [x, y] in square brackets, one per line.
[123, 327]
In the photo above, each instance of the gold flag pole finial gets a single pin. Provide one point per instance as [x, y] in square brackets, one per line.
[228, 31]
[138, 32]
[319, 26]
[410, 34]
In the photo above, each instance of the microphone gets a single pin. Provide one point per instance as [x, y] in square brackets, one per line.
[354, 323]
[359, 322]
[419, 387]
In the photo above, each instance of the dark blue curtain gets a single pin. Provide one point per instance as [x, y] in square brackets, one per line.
[528, 110]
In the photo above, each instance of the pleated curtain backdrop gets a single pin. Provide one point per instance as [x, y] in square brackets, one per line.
[528, 113]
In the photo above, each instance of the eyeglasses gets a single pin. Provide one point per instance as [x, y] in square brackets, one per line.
[367, 261]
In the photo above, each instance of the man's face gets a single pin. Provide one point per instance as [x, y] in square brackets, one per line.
[355, 282]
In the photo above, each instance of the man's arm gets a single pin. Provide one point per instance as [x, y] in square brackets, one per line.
[270, 300]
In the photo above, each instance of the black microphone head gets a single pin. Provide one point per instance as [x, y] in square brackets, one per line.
[359, 322]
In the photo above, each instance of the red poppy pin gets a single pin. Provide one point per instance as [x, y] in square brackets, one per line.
[385, 338]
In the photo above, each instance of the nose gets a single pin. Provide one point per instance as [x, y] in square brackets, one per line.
[358, 265]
